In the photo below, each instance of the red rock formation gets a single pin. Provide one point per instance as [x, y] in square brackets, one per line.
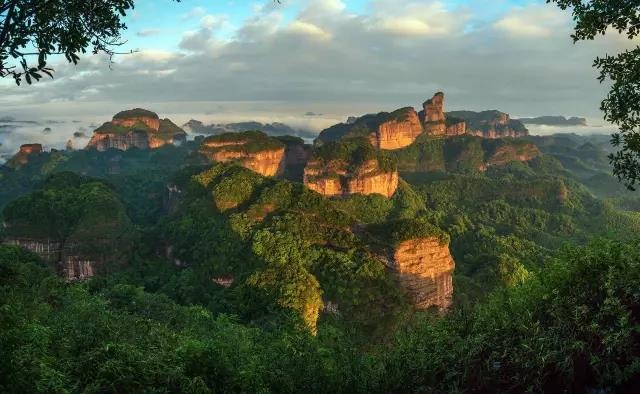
[136, 128]
[456, 128]
[398, 132]
[28, 149]
[266, 163]
[335, 181]
[153, 124]
[507, 153]
[268, 160]
[424, 268]
[434, 119]
[368, 179]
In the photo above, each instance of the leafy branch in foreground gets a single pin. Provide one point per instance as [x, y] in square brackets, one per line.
[622, 104]
[33, 30]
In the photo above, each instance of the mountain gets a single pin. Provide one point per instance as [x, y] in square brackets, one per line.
[136, 128]
[555, 121]
[490, 124]
[272, 129]
[402, 127]
[392, 255]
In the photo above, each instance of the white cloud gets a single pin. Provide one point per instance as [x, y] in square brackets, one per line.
[533, 21]
[327, 59]
[309, 29]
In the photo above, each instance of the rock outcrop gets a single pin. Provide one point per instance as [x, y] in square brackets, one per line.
[506, 153]
[424, 268]
[490, 124]
[251, 149]
[70, 267]
[351, 167]
[137, 128]
[434, 118]
[24, 154]
[400, 129]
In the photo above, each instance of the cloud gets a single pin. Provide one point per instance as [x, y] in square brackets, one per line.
[148, 32]
[194, 13]
[533, 21]
[320, 56]
[309, 30]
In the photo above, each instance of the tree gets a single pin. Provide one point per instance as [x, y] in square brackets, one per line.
[33, 30]
[622, 104]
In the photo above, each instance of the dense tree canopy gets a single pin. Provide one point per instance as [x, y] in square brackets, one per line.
[622, 104]
[32, 31]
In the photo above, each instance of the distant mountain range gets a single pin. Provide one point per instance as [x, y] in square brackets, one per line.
[273, 129]
[555, 121]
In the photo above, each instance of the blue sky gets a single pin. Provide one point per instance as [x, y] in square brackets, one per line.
[255, 60]
[163, 23]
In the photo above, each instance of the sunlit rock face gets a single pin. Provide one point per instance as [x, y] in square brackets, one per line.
[490, 124]
[434, 118]
[369, 179]
[456, 127]
[508, 153]
[24, 154]
[335, 180]
[133, 117]
[136, 128]
[424, 268]
[253, 150]
[397, 132]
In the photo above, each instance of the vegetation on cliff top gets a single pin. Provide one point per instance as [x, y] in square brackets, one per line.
[251, 141]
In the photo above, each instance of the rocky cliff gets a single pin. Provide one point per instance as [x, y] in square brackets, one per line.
[251, 149]
[424, 268]
[137, 128]
[434, 118]
[22, 157]
[351, 167]
[490, 124]
[70, 267]
[505, 153]
[400, 129]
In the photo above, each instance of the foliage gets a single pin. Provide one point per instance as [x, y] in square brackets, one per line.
[70, 28]
[620, 107]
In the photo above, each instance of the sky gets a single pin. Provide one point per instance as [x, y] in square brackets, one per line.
[259, 60]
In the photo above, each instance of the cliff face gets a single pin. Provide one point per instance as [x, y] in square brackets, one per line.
[490, 124]
[368, 179]
[335, 180]
[507, 153]
[424, 268]
[132, 139]
[266, 163]
[434, 118]
[22, 157]
[399, 131]
[70, 267]
[137, 128]
[253, 150]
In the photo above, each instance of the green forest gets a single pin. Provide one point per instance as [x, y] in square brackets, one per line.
[213, 278]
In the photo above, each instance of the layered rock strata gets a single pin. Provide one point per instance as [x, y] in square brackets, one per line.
[424, 268]
[253, 150]
[137, 128]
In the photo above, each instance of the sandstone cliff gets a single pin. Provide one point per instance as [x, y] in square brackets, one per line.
[434, 118]
[69, 266]
[505, 153]
[351, 167]
[490, 124]
[251, 149]
[22, 157]
[137, 128]
[424, 268]
[400, 129]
